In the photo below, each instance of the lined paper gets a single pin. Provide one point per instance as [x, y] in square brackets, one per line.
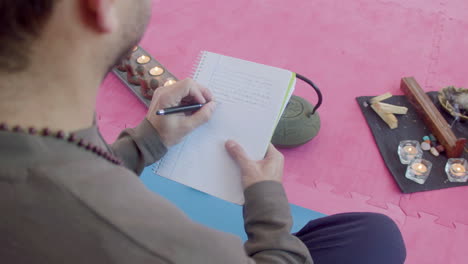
[250, 98]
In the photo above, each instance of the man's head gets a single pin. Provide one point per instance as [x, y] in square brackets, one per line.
[103, 29]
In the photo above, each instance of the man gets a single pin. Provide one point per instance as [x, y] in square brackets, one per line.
[67, 197]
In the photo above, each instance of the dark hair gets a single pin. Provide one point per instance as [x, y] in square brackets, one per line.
[21, 22]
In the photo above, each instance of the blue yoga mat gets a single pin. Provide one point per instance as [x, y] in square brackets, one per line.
[211, 211]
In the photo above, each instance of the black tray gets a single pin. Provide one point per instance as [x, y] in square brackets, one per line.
[410, 127]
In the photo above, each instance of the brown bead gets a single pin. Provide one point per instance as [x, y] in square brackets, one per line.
[60, 134]
[17, 129]
[32, 131]
[71, 138]
[45, 132]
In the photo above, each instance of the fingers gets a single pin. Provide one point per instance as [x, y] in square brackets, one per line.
[183, 91]
[189, 87]
[237, 153]
[206, 93]
[201, 116]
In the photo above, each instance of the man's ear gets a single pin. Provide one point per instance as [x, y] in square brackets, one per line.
[101, 15]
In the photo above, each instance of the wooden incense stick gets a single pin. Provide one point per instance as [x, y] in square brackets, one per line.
[432, 117]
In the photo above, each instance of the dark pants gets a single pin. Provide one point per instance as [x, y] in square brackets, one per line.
[361, 238]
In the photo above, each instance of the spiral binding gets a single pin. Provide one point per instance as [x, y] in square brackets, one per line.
[156, 166]
[198, 65]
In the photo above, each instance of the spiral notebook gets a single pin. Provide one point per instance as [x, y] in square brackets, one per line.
[250, 98]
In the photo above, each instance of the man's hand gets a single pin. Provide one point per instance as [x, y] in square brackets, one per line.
[174, 127]
[268, 169]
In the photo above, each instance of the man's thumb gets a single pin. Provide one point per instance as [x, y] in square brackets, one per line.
[236, 152]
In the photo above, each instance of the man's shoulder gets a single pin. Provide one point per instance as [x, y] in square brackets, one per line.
[67, 211]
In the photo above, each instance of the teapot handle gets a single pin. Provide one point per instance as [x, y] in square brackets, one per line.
[317, 90]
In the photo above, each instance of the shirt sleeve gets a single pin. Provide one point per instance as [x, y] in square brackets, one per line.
[139, 147]
[268, 223]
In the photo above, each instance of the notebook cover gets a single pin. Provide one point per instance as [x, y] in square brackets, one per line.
[410, 127]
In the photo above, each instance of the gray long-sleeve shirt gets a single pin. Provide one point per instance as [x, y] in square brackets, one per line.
[62, 204]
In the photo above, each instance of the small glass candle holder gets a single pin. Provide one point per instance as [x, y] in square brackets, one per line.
[457, 170]
[409, 150]
[418, 170]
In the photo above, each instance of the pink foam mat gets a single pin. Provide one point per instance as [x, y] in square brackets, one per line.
[349, 48]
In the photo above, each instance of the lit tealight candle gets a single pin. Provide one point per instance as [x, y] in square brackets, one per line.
[143, 59]
[419, 168]
[410, 150]
[458, 170]
[135, 48]
[156, 71]
[170, 82]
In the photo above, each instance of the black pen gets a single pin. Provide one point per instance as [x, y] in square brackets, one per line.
[179, 109]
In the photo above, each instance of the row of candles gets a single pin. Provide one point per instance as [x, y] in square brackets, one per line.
[137, 73]
[419, 169]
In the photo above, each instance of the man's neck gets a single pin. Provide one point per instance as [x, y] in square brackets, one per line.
[61, 97]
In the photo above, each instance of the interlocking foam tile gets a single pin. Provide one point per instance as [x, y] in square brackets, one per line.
[411, 204]
[441, 246]
[349, 48]
[326, 201]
